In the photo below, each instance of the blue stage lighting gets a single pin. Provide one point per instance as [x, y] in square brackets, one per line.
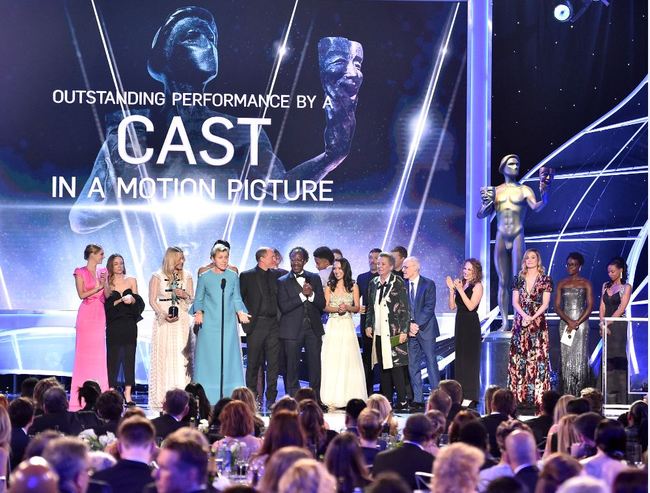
[563, 11]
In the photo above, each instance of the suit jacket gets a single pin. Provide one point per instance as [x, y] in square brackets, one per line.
[65, 422]
[528, 476]
[19, 441]
[127, 476]
[540, 426]
[405, 461]
[253, 292]
[398, 314]
[95, 486]
[292, 307]
[491, 422]
[425, 307]
[165, 425]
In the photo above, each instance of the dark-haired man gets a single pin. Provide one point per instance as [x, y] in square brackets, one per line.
[135, 442]
[176, 406]
[324, 260]
[21, 415]
[503, 406]
[182, 466]
[301, 301]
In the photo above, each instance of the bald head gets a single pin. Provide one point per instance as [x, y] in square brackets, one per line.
[34, 475]
[521, 448]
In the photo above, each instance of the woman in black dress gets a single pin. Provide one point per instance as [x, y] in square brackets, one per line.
[123, 312]
[613, 302]
[464, 297]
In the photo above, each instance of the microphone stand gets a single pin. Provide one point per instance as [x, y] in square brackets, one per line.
[223, 308]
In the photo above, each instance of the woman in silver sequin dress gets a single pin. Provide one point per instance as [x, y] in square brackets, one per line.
[573, 303]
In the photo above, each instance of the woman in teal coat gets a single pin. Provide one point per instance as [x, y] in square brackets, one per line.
[207, 308]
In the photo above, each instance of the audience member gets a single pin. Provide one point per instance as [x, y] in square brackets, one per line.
[583, 484]
[454, 390]
[277, 466]
[388, 482]
[439, 423]
[459, 420]
[382, 405]
[21, 415]
[369, 426]
[440, 401]
[352, 410]
[487, 398]
[585, 426]
[503, 467]
[307, 475]
[215, 423]
[136, 444]
[199, 403]
[345, 462]
[456, 469]
[98, 461]
[286, 403]
[182, 465]
[610, 442]
[595, 398]
[631, 481]
[503, 406]
[40, 388]
[522, 457]
[558, 413]
[578, 406]
[504, 484]
[283, 431]
[37, 444]
[636, 431]
[312, 423]
[68, 456]
[27, 387]
[175, 407]
[567, 434]
[237, 426]
[474, 433]
[110, 405]
[411, 456]
[304, 394]
[89, 392]
[245, 395]
[557, 469]
[34, 475]
[56, 415]
[542, 423]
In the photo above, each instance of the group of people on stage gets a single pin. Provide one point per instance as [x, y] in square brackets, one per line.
[283, 312]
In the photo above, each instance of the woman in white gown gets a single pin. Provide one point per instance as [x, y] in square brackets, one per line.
[342, 372]
[171, 285]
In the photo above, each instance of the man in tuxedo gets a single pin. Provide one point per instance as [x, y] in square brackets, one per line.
[399, 254]
[21, 415]
[423, 329]
[522, 457]
[542, 423]
[455, 390]
[301, 301]
[56, 415]
[411, 456]
[135, 442]
[503, 406]
[363, 281]
[182, 466]
[259, 292]
[176, 406]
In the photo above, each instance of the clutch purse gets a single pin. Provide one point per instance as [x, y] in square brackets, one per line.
[394, 341]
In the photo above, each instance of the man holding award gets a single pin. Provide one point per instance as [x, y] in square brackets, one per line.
[387, 322]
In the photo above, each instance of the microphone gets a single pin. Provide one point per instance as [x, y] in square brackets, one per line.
[223, 284]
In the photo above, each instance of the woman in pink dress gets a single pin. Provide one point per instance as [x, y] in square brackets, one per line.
[90, 346]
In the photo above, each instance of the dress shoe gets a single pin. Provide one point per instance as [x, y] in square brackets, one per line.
[416, 407]
[402, 406]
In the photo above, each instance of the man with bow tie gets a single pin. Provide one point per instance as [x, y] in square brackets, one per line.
[301, 301]
[423, 329]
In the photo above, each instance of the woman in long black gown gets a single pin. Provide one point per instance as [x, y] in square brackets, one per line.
[613, 302]
[123, 312]
[464, 297]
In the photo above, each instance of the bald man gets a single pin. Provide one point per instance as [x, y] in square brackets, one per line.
[34, 475]
[521, 453]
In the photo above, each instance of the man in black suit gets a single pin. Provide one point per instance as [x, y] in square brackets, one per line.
[363, 281]
[258, 288]
[21, 415]
[503, 406]
[522, 457]
[135, 442]
[455, 390]
[542, 423]
[301, 301]
[56, 415]
[176, 406]
[411, 456]
[182, 466]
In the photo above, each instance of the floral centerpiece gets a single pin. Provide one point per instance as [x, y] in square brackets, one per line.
[95, 442]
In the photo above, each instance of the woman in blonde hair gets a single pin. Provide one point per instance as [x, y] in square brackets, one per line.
[381, 404]
[529, 368]
[171, 291]
[307, 475]
[559, 412]
[456, 469]
[567, 434]
[90, 341]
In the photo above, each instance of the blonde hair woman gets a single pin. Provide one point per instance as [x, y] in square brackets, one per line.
[559, 412]
[529, 367]
[171, 291]
[381, 404]
[307, 475]
[456, 469]
[567, 434]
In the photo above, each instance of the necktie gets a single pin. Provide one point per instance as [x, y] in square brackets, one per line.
[412, 298]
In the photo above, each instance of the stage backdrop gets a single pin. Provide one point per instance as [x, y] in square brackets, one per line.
[140, 125]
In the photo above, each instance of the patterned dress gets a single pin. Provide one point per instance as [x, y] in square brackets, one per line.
[529, 363]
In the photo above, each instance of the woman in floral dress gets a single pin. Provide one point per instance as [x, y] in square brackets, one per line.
[529, 366]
